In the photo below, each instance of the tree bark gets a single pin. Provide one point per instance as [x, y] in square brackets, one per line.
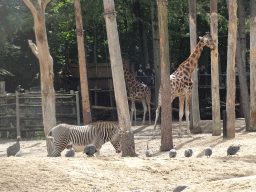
[195, 113]
[156, 48]
[243, 83]
[142, 31]
[166, 117]
[127, 142]
[41, 50]
[231, 86]
[216, 129]
[95, 45]
[252, 126]
[82, 64]
[240, 59]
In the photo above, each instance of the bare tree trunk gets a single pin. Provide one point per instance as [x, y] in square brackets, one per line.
[253, 66]
[127, 142]
[231, 86]
[41, 50]
[156, 48]
[243, 83]
[95, 45]
[241, 30]
[195, 113]
[166, 117]
[241, 65]
[216, 129]
[87, 118]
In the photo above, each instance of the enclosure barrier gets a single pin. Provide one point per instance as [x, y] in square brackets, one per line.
[21, 113]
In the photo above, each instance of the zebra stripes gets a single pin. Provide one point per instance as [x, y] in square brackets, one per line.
[96, 133]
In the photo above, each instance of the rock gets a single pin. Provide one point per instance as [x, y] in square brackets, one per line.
[233, 149]
[14, 149]
[180, 188]
[188, 152]
[71, 152]
[149, 153]
[90, 150]
[208, 151]
[172, 153]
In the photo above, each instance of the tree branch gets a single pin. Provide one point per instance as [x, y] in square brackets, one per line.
[33, 48]
[30, 6]
[45, 2]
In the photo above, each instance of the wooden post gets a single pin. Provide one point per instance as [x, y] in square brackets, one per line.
[166, 117]
[17, 114]
[156, 48]
[252, 66]
[195, 113]
[87, 118]
[127, 142]
[77, 108]
[216, 129]
[231, 81]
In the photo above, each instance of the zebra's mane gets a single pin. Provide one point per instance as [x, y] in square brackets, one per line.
[105, 124]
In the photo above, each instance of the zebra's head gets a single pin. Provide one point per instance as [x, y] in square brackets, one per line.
[116, 140]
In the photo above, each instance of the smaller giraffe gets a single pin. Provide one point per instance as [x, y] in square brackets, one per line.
[136, 90]
[181, 83]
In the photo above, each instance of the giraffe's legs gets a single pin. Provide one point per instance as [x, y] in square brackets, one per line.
[187, 113]
[181, 112]
[133, 111]
[157, 114]
[149, 112]
[145, 110]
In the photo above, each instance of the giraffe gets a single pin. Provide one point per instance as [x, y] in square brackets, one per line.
[181, 83]
[137, 90]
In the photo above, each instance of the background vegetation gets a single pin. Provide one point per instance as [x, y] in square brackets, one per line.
[134, 21]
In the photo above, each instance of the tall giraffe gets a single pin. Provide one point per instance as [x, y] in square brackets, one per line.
[137, 90]
[181, 83]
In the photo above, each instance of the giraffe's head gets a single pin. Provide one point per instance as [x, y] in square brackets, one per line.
[207, 40]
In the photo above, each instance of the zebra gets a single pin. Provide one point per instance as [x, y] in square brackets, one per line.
[96, 133]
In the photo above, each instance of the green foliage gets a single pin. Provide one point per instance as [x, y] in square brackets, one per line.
[16, 26]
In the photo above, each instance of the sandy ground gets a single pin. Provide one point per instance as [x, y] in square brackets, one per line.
[33, 171]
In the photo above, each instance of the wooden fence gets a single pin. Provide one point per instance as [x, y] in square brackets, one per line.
[22, 112]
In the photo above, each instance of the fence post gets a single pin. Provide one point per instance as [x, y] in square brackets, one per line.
[224, 124]
[77, 108]
[17, 113]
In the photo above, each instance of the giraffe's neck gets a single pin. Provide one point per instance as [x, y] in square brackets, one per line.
[191, 62]
[130, 79]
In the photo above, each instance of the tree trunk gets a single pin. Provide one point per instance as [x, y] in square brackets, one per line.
[127, 142]
[195, 113]
[243, 83]
[241, 38]
[95, 45]
[156, 49]
[142, 32]
[216, 129]
[82, 64]
[41, 50]
[241, 30]
[166, 117]
[252, 66]
[231, 85]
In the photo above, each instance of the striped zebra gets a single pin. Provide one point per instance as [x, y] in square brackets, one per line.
[96, 133]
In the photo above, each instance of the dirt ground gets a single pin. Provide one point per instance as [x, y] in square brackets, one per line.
[33, 171]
